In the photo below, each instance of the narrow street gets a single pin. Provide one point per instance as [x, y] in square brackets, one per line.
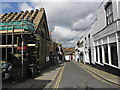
[60, 44]
[66, 75]
[74, 76]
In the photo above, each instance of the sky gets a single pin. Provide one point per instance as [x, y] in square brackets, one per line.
[67, 21]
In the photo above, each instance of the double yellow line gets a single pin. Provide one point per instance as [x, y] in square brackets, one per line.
[59, 78]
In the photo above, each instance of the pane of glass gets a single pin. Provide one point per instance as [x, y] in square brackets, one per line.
[111, 18]
[108, 20]
[114, 57]
[106, 53]
[96, 54]
[107, 13]
[110, 9]
[100, 49]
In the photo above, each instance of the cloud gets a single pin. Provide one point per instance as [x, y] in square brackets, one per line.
[66, 36]
[5, 6]
[83, 23]
[63, 34]
[66, 20]
[25, 6]
[63, 13]
[55, 0]
[66, 14]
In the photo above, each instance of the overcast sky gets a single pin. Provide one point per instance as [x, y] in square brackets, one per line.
[66, 20]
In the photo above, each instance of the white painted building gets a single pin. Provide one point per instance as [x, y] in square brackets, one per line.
[102, 41]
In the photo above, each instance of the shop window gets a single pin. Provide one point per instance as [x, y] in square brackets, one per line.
[114, 57]
[106, 53]
[100, 54]
[85, 43]
[109, 13]
[89, 39]
[96, 54]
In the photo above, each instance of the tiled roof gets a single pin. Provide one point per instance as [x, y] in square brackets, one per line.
[68, 49]
[33, 15]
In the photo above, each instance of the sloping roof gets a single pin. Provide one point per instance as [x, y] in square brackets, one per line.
[33, 15]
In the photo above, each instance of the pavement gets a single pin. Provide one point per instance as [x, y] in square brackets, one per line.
[50, 74]
[74, 76]
[44, 80]
[102, 74]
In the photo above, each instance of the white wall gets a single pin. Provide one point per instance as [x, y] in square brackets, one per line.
[119, 9]
[97, 26]
[101, 16]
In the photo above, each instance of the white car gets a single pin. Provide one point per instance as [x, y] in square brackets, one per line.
[67, 58]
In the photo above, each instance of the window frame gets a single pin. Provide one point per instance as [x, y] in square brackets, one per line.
[109, 13]
[106, 54]
[114, 61]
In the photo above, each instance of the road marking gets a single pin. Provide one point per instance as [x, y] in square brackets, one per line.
[95, 76]
[59, 78]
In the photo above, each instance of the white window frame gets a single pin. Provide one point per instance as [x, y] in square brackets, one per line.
[109, 52]
[118, 49]
[109, 9]
[103, 52]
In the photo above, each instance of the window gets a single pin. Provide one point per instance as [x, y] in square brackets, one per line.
[100, 50]
[96, 54]
[85, 43]
[78, 44]
[106, 53]
[4, 40]
[42, 45]
[89, 39]
[114, 57]
[38, 48]
[109, 13]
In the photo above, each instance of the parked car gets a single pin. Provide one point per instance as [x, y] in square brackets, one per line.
[6, 69]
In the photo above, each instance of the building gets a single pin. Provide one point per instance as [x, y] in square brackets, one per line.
[70, 52]
[102, 41]
[56, 53]
[79, 51]
[27, 29]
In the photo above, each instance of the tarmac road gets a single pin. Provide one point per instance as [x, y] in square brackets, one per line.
[74, 76]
